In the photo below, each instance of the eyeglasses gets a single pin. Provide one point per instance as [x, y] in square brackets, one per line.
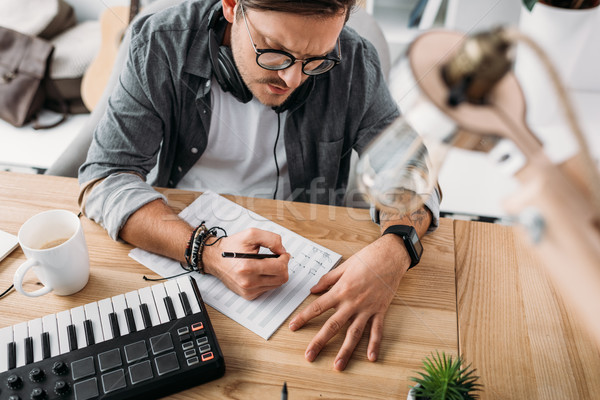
[277, 60]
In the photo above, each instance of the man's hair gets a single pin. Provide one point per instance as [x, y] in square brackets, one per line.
[324, 8]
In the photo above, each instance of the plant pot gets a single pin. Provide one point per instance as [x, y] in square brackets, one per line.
[569, 37]
[411, 393]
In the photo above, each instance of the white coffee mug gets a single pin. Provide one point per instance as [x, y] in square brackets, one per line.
[55, 247]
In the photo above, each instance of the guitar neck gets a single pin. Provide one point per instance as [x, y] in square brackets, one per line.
[134, 8]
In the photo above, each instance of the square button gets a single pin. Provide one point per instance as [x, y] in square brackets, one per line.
[140, 372]
[187, 345]
[197, 326]
[136, 351]
[204, 349]
[190, 353]
[183, 331]
[166, 363]
[161, 343]
[113, 381]
[83, 368]
[109, 359]
[86, 390]
[202, 340]
[192, 361]
[207, 356]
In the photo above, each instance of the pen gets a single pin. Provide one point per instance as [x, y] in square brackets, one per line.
[284, 392]
[256, 256]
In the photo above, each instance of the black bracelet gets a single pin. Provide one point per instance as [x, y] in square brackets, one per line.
[195, 246]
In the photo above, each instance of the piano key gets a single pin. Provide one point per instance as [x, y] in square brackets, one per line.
[36, 328]
[92, 314]
[6, 337]
[130, 320]
[20, 332]
[114, 325]
[105, 308]
[146, 315]
[119, 306]
[187, 309]
[72, 337]
[46, 352]
[173, 292]
[159, 293]
[147, 297]
[88, 328]
[28, 345]
[63, 319]
[50, 326]
[77, 318]
[12, 355]
[170, 308]
[185, 286]
[133, 302]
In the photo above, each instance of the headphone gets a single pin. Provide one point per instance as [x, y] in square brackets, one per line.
[226, 72]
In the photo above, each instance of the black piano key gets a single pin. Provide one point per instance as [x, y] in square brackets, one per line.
[170, 308]
[72, 336]
[114, 325]
[145, 315]
[45, 345]
[89, 332]
[187, 309]
[130, 320]
[11, 349]
[28, 350]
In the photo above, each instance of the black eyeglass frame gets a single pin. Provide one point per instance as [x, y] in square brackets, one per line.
[292, 60]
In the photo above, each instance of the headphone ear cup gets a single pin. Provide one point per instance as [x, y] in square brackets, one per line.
[231, 76]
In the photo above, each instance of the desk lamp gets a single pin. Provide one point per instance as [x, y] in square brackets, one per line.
[464, 94]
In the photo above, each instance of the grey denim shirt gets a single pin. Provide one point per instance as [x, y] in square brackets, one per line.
[159, 116]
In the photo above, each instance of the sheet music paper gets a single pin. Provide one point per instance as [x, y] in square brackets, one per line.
[263, 315]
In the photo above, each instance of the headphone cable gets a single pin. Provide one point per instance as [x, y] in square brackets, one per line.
[275, 155]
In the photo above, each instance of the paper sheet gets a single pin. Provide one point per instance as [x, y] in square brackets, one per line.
[266, 313]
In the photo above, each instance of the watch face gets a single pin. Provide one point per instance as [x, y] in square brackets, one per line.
[417, 244]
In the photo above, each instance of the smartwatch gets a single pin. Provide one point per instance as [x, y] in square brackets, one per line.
[411, 241]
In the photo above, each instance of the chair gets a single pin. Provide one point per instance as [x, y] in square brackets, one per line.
[71, 159]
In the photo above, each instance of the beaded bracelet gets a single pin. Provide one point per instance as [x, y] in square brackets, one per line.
[196, 244]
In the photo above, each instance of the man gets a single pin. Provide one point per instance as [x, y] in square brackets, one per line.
[208, 90]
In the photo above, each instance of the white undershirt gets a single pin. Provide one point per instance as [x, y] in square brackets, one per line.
[239, 158]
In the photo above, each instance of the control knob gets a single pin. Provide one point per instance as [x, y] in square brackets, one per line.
[61, 387]
[36, 375]
[59, 368]
[14, 382]
[38, 394]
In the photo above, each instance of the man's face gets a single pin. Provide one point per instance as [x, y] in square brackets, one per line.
[300, 35]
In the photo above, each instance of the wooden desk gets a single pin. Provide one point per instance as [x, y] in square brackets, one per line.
[421, 319]
[512, 325]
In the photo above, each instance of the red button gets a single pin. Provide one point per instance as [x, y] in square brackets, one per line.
[197, 326]
[207, 356]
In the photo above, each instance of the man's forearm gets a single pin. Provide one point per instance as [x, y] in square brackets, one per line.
[419, 219]
[156, 228]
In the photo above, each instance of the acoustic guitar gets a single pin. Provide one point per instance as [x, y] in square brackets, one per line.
[113, 23]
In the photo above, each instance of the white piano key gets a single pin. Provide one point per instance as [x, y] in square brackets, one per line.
[50, 325]
[159, 293]
[173, 292]
[133, 302]
[105, 307]
[20, 332]
[186, 286]
[93, 314]
[147, 297]
[77, 318]
[35, 331]
[63, 319]
[6, 337]
[119, 306]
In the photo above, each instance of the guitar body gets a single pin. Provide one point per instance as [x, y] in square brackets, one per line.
[113, 24]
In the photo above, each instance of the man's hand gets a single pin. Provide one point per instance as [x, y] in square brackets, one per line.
[246, 277]
[362, 289]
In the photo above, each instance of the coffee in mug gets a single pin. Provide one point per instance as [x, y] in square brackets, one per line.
[55, 247]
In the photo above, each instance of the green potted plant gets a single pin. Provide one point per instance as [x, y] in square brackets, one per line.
[444, 378]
